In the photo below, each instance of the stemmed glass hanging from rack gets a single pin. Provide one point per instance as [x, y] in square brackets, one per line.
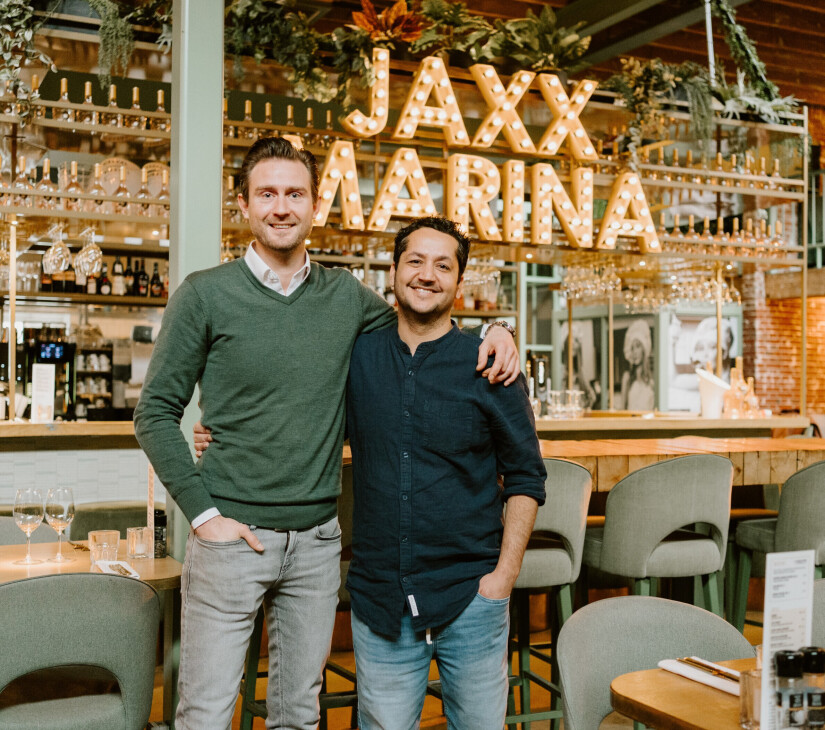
[89, 260]
[57, 257]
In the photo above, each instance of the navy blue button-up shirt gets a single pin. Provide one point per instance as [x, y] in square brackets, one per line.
[429, 436]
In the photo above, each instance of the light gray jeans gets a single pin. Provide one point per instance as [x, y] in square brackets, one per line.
[222, 586]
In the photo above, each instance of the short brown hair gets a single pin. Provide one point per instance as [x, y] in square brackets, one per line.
[267, 148]
[442, 225]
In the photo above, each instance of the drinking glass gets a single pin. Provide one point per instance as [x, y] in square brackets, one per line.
[59, 514]
[103, 545]
[750, 699]
[28, 514]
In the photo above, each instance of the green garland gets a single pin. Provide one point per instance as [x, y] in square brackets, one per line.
[744, 52]
[18, 25]
[117, 40]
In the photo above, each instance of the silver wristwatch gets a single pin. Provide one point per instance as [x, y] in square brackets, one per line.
[506, 325]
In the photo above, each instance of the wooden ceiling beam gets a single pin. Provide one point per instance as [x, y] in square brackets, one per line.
[634, 40]
[598, 15]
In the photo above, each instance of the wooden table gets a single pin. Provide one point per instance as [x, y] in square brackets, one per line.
[666, 701]
[162, 574]
[755, 460]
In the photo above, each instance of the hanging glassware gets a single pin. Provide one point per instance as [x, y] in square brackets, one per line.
[58, 257]
[89, 260]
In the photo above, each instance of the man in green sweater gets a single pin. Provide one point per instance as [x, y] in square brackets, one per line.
[268, 338]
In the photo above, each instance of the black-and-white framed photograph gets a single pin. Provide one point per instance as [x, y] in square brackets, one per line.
[634, 382]
[586, 360]
[693, 345]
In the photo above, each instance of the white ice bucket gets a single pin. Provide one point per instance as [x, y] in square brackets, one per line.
[711, 393]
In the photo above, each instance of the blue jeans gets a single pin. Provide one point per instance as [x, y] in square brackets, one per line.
[471, 655]
[222, 587]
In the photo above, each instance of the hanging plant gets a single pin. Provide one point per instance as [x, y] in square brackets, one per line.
[742, 98]
[454, 28]
[644, 85]
[268, 29]
[18, 25]
[744, 52]
[538, 43]
[117, 41]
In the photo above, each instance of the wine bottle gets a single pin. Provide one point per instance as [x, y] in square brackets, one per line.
[161, 124]
[113, 118]
[71, 202]
[142, 280]
[96, 205]
[122, 193]
[87, 116]
[135, 119]
[129, 279]
[46, 186]
[118, 279]
[105, 286]
[66, 115]
[155, 285]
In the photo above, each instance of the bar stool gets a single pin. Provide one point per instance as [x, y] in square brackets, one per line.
[667, 520]
[251, 707]
[551, 565]
[799, 526]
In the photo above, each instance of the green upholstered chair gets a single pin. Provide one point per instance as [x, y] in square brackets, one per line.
[818, 627]
[551, 565]
[115, 515]
[11, 534]
[799, 526]
[252, 707]
[81, 619]
[619, 635]
[667, 520]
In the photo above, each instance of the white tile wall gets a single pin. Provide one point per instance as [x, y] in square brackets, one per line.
[94, 475]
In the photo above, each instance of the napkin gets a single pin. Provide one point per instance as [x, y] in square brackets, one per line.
[117, 567]
[698, 675]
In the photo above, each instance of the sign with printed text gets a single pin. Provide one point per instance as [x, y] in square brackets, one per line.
[42, 393]
[789, 590]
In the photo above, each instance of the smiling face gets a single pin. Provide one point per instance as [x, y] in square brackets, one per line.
[280, 209]
[426, 278]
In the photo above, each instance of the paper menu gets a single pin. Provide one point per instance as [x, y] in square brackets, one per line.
[789, 586]
[42, 410]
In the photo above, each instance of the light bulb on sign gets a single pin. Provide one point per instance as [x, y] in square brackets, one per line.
[339, 169]
[360, 125]
[404, 168]
[458, 208]
[631, 216]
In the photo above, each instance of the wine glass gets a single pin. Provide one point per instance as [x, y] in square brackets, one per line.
[28, 514]
[59, 514]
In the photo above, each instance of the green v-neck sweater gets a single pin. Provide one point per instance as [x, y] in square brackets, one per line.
[272, 372]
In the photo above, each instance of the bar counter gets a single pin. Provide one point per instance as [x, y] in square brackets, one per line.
[60, 435]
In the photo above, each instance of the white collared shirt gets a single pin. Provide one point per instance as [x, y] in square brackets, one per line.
[270, 280]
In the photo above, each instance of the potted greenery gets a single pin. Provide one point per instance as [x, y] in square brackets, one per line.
[454, 32]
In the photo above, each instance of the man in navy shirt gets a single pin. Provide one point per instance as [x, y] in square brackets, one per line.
[433, 565]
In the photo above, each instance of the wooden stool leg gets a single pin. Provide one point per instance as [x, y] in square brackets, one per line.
[743, 578]
[253, 654]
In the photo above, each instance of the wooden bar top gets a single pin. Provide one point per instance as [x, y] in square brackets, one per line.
[24, 429]
[755, 460]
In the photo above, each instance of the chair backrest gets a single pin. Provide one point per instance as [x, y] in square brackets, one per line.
[564, 512]
[818, 628]
[654, 501]
[346, 502]
[84, 618]
[109, 515]
[619, 635]
[11, 534]
[800, 525]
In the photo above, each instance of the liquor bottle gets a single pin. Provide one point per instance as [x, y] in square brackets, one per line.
[135, 119]
[228, 129]
[230, 201]
[718, 167]
[112, 118]
[129, 279]
[73, 189]
[140, 206]
[21, 187]
[155, 284]
[749, 172]
[105, 285]
[66, 115]
[165, 277]
[747, 236]
[163, 195]
[778, 240]
[47, 187]
[122, 193]
[736, 236]
[776, 175]
[87, 116]
[706, 229]
[763, 173]
[326, 140]
[69, 280]
[91, 284]
[290, 115]
[45, 279]
[247, 132]
[118, 279]
[96, 204]
[160, 124]
[677, 176]
[729, 181]
[142, 279]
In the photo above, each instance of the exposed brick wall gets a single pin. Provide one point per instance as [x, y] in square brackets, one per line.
[771, 346]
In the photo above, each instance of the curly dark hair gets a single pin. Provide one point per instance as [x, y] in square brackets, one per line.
[280, 149]
[442, 225]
